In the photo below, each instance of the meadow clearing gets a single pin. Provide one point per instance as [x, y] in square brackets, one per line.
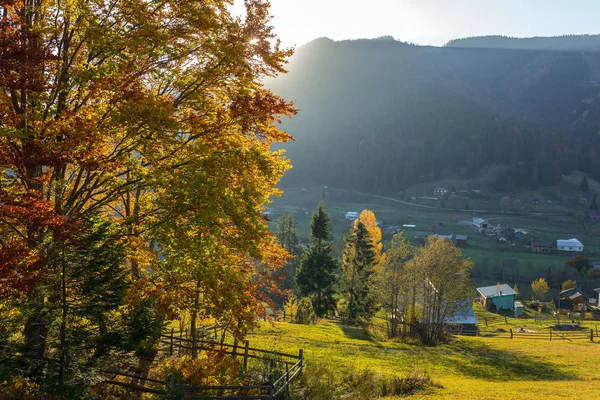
[466, 368]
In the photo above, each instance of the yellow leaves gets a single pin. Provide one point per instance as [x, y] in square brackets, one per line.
[369, 220]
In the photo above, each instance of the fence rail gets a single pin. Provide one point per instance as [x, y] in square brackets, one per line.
[544, 335]
[178, 343]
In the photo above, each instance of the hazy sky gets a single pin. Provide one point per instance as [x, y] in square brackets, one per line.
[430, 21]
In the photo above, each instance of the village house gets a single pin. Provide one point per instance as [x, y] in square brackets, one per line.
[594, 215]
[542, 247]
[440, 192]
[497, 297]
[464, 318]
[572, 299]
[422, 235]
[572, 245]
[480, 223]
[461, 239]
[443, 233]
[351, 216]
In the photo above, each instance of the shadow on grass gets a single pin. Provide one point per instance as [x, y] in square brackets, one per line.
[478, 360]
[358, 333]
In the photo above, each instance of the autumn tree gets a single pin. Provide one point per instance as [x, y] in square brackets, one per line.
[368, 219]
[358, 269]
[441, 279]
[151, 116]
[568, 284]
[540, 288]
[579, 263]
[315, 277]
[393, 280]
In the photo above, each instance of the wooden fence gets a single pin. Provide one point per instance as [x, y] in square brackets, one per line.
[543, 335]
[178, 343]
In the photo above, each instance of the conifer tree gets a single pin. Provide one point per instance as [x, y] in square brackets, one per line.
[358, 284]
[315, 277]
[287, 235]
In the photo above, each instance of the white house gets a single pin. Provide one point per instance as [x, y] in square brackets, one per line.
[351, 215]
[480, 223]
[569, 245]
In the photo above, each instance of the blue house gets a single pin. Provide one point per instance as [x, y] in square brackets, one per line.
[499, 297]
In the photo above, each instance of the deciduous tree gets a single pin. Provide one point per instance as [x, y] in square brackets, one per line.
[540, 288]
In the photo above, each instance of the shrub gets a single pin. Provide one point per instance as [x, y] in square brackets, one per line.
[305, 313]
[319, 382]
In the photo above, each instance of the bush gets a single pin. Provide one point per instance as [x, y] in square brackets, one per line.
[319, 382]
[305, 313]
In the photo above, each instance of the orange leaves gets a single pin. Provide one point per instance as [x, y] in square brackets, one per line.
[19, 268]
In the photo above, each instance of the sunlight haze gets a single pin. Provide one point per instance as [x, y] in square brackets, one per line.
[428, 22]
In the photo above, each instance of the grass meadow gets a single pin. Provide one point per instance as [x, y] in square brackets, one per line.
[467, 368]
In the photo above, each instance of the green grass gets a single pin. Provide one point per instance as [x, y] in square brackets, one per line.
[468, 368]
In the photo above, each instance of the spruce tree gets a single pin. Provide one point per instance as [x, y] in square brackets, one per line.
[358, 284]
[287, 235]
[315, 276]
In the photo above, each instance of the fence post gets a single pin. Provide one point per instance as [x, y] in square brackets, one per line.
[485, 319]
[287, 377]
[511, 333]
[301, 356]
[246, 355]
[271, 386]
[235, 343]
[535, 317]
[592, 335]
[550, 334]
[171, 346]
[215, 332]
[179, 350]
[505, 320]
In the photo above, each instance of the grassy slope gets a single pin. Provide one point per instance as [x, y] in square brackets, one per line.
[468, 368]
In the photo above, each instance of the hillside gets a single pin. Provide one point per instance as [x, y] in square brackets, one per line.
[381, 115]
[468, 368]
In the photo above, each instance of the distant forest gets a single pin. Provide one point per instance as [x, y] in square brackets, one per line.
[557, 43]
[381, 115]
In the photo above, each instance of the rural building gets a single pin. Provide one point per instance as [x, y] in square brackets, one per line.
[518, 308]
[443, 233]
[461, 239]
[409, 226]
[569, 245]
[351, 216]
[480, 223]
[594, 215]
[441, 191]
[598, 291]
[572, 299]
[422, 235]
[464, 317]
[499, 297]
[542, 247]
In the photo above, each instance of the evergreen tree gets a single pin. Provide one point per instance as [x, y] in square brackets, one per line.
[287, 235]
[358, 284]
[315, 276]
[584, 186]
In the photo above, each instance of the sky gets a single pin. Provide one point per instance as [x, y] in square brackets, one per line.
[429, 22]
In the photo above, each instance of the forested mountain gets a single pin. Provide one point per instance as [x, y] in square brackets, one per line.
[559, 43]
[381, 115]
